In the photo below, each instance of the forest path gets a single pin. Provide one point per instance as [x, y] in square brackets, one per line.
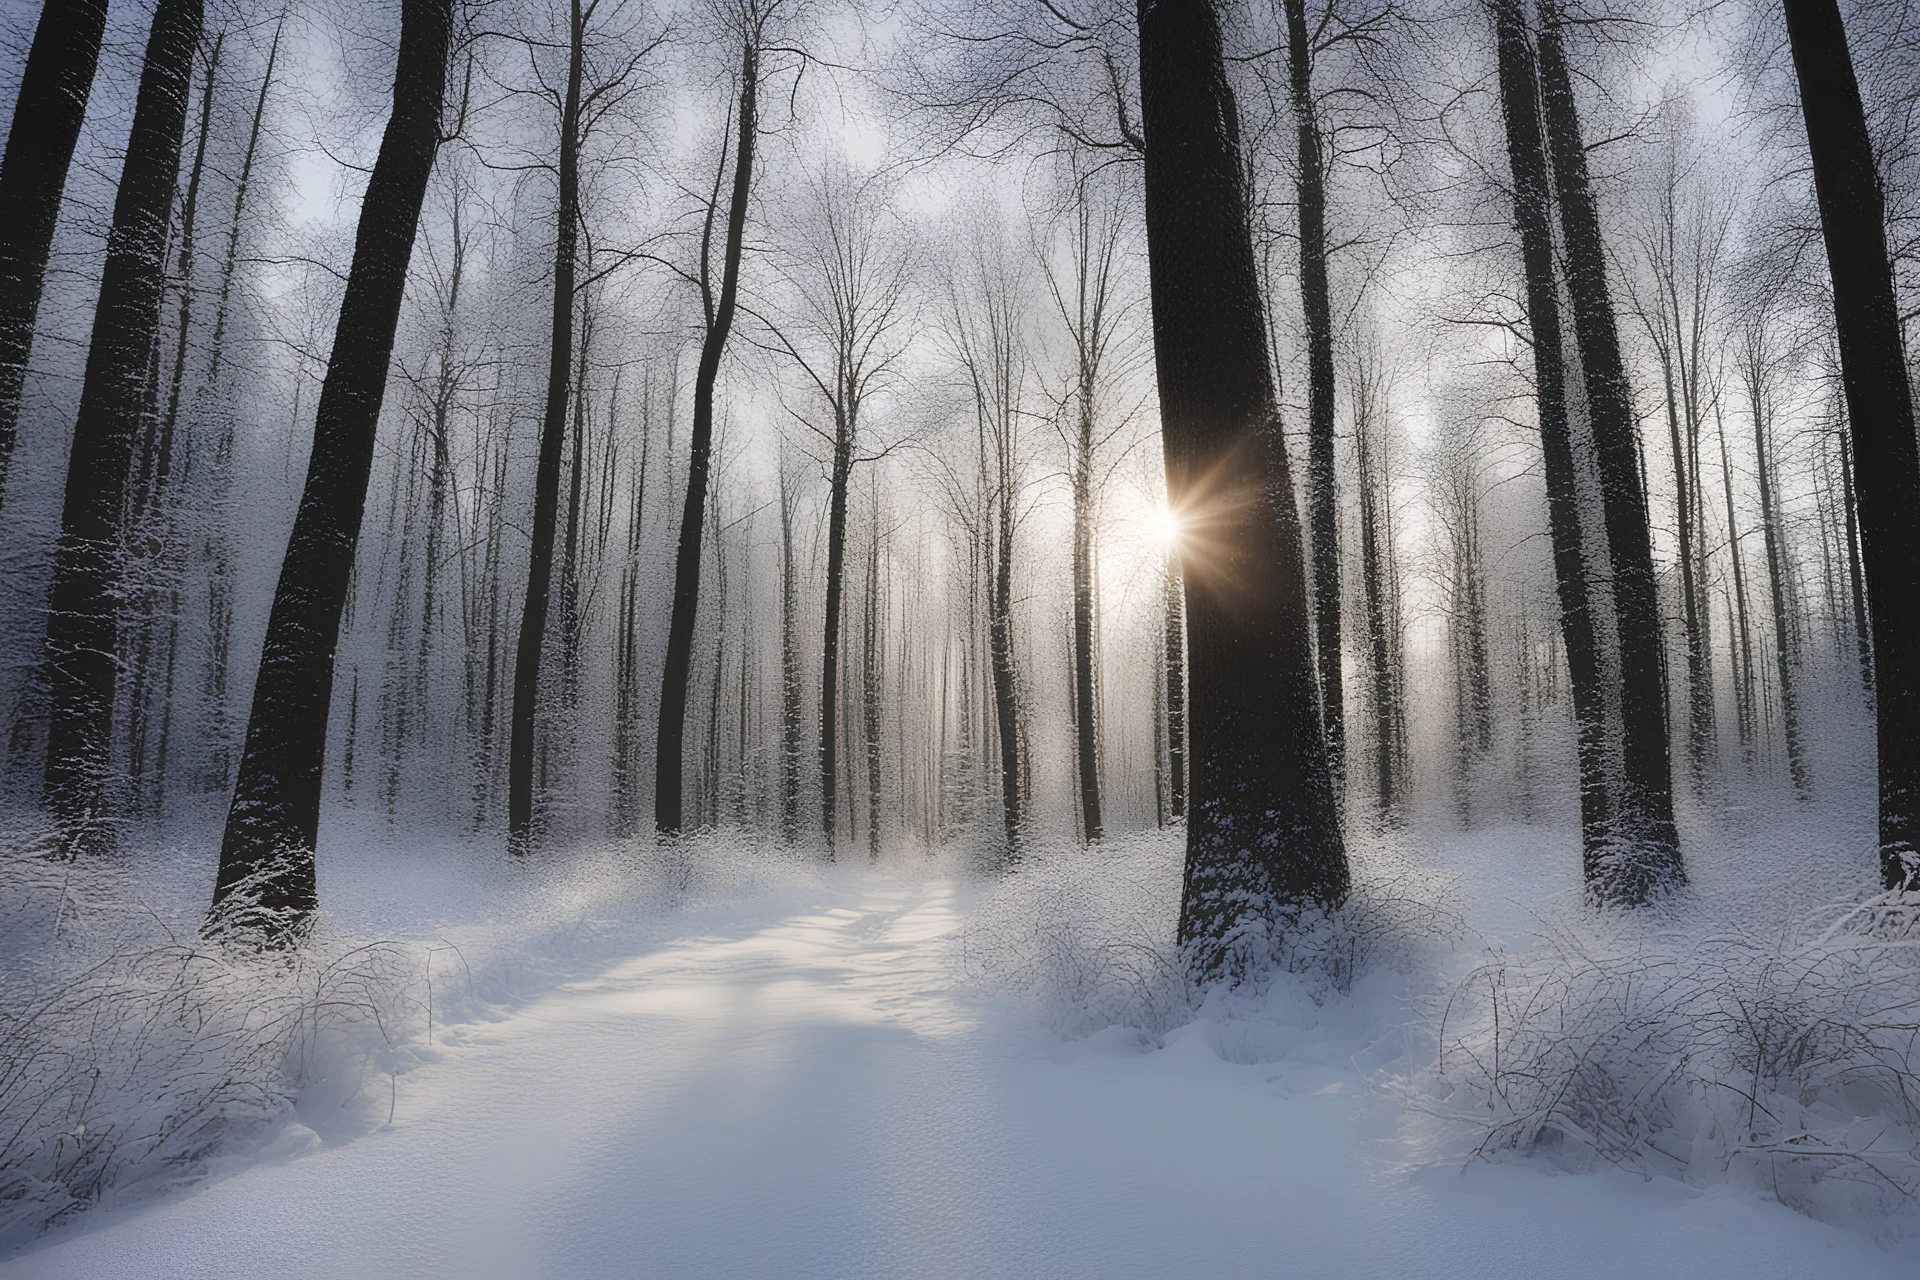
[803, 1095]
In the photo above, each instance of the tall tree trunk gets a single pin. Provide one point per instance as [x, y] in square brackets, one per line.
[1088, 316]
[267, 856]
[440, 470]
[150, 543]
[1006, 692]
[1085, 717]
[82, 614]
[830, 637]
[1527, 160]
[1787, 665]
[1263, 833]
[1879, 407]
[1323, 500]
[1382, 636]
[670, 741]
[872, 636]
[46, 125]
[1646, 856]
[571, 621]
[1700, 727]
[790, 710]
[1739, 637]
[546, 481]
[1856, 583]
[219, 540]
[1173, 652]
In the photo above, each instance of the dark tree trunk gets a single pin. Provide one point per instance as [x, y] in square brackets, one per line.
[1879, 407]
[1700, 726]
[1856, 584]
[1646, 847]
[149, 541]
[830, 637]
[1263, 833]
[1323, 503]
[1089, 323]
[671, 739]
[83, 607]
[266, 859]
[1085, 709]
[46, 125]
[1786, 659]
[1739, 637]
[1006, 688]
[571, 618]
[790, 711]
[1383, 639]
[546, 481]
[440, 471]
[872, 633]
[220, 549]
[1174, 653]
[1526, 157]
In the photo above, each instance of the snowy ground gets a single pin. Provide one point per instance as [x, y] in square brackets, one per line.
[795, 1082]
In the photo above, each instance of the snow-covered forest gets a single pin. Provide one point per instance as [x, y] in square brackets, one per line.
[1041, 637]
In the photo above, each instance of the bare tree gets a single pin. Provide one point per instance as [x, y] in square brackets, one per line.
[750, 23]
[1879, 404]
[1263, 834]
[83, 606]
[845, 329]
[1085, 297]
[47, 113]
[1646, 854]
[266, 874]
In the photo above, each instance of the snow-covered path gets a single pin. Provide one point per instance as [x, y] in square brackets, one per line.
[804, 1097]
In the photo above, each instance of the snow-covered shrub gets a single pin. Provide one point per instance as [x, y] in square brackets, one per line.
[1787, 1062]
[134, 1053]
[126, 1077]
[1089, 934]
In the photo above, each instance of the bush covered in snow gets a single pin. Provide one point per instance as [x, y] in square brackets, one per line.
[1787, 1062]
[1088, 934]
[137, 1056]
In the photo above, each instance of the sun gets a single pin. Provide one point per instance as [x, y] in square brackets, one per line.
[1166, 527]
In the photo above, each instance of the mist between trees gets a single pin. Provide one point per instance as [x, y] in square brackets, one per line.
[896, 428]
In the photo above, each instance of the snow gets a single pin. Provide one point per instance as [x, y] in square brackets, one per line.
[796, 1079]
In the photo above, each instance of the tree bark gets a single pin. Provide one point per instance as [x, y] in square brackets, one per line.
[266, 875]
[790, 711]
[546, 482]
[839, 470]
[1263, 834]
[1323, 501]
[1006, 689]
[83, 606]
[1856, 583]
[148, 538]
[1383, 640]
[1646, 846]
[1527, 160]
[1173, 653]
[219, 541]
[669, 765]
[1879, 407]
[52, 101]
[1739, 637]
[872, 636]
[1786, 659]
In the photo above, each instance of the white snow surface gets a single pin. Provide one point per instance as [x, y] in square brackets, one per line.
[799, 1083]
[796, 1078]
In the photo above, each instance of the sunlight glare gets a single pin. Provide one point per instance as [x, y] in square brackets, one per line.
[1166, 527]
